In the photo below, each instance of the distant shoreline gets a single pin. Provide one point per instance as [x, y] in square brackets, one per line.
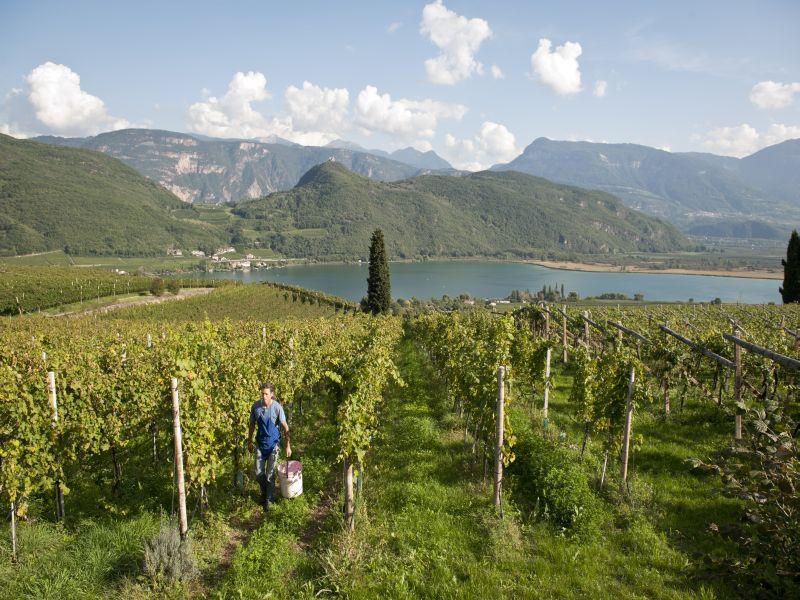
[604, 268]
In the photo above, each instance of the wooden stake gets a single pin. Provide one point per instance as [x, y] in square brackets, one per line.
[666, 397]
[586, 327]
[149, 341]
[498, 445]
[564, 332]
[263, 335]
[737, 386]
[626, 434]
[349, 504]
[178, 437]
[547, 324]
[546, 383]
[603, 472]
[14, 532]
[51, 394]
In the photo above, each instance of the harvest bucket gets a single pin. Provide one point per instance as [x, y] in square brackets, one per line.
[290, 476]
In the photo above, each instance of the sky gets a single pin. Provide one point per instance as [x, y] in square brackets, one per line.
[474, 81]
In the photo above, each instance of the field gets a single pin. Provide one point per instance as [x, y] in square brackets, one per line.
[411, 414]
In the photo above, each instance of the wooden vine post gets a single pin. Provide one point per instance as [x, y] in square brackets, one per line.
[498, 445]
[51, 394]
[737, 386]
[178, 437]
[564, 332]
[349, 502]
[546, 323]
[586, 327]
[626, 433]
[13, 531]
[546, 383]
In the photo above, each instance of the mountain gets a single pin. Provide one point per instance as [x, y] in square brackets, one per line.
[52, 198]
[747, 229]
[429, 161]
[214, 171]
[332, 212]
[423, 160]
[670, 185]
[775, 169]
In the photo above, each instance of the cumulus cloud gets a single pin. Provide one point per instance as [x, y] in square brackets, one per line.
[316, 108]
[558, 69]
[54, 102]
[492, 144]
[497, 72]
[394, 26]
[741, 140]
[316, 115]
[458, 40]
[375, 112]
[772, 94]
[600, 88]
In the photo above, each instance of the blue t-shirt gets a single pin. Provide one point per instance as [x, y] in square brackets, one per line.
[268, 419]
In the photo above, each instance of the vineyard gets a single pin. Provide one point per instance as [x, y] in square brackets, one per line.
[637, 451]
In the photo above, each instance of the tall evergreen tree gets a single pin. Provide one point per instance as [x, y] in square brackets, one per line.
[379, 295]
[791, 271]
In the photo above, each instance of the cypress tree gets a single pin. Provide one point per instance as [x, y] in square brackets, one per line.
[791, 271]
[379, 295]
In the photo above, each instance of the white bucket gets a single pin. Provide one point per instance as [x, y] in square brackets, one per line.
[290, 476]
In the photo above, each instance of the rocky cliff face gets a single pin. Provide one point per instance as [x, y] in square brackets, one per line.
[217, 171]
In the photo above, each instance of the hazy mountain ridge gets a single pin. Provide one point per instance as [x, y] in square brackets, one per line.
[332, 212]
[200, 169]
[676, 186]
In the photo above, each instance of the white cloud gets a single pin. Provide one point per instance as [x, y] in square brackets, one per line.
[458, 40]
[313, 107]
[772, 94]
[600, 88]
[405, 118]
[743, 139]
[492, 144]
[317, 115]
[558, 69]
[497, 72]
[53, 102]
[394, 26]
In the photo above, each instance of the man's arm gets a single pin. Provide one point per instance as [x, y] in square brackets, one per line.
[250, 430]
[286, 433]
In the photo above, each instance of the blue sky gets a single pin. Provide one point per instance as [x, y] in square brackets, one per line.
[475, 81]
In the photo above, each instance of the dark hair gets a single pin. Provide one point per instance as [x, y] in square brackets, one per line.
[268, 385]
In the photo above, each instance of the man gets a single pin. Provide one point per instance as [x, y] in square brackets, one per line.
[268, 417]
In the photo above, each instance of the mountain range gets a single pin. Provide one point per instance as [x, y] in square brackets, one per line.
[331, 213]
[89, 203]
[681, 187]
[758, 194]
[207, 170]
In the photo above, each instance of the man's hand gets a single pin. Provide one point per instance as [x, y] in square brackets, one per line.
[250, 446]
[288, 451]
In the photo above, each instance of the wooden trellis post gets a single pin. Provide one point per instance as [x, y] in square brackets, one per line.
[178, 437]
[626, 433]
[546, 383]
[498, 446]
[51, 393]
[564, 332]
[737, 386]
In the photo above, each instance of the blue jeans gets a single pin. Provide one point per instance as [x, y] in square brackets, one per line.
[265, 471]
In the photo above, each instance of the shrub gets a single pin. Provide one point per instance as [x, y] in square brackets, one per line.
[157, 287]
[173, 286]
[166, 559]
[548, 482]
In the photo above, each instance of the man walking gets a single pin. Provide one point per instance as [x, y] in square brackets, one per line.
[267, 415]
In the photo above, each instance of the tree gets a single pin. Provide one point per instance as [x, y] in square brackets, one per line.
[790, 291]
[157, 287]
[379, 296]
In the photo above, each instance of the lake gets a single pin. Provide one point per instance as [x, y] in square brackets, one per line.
[489, 279]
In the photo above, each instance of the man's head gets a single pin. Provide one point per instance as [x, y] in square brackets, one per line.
[267, 393]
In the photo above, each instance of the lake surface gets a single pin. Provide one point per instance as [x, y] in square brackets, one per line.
[487, 279]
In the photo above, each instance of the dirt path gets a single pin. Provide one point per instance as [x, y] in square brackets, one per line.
[144, 300]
